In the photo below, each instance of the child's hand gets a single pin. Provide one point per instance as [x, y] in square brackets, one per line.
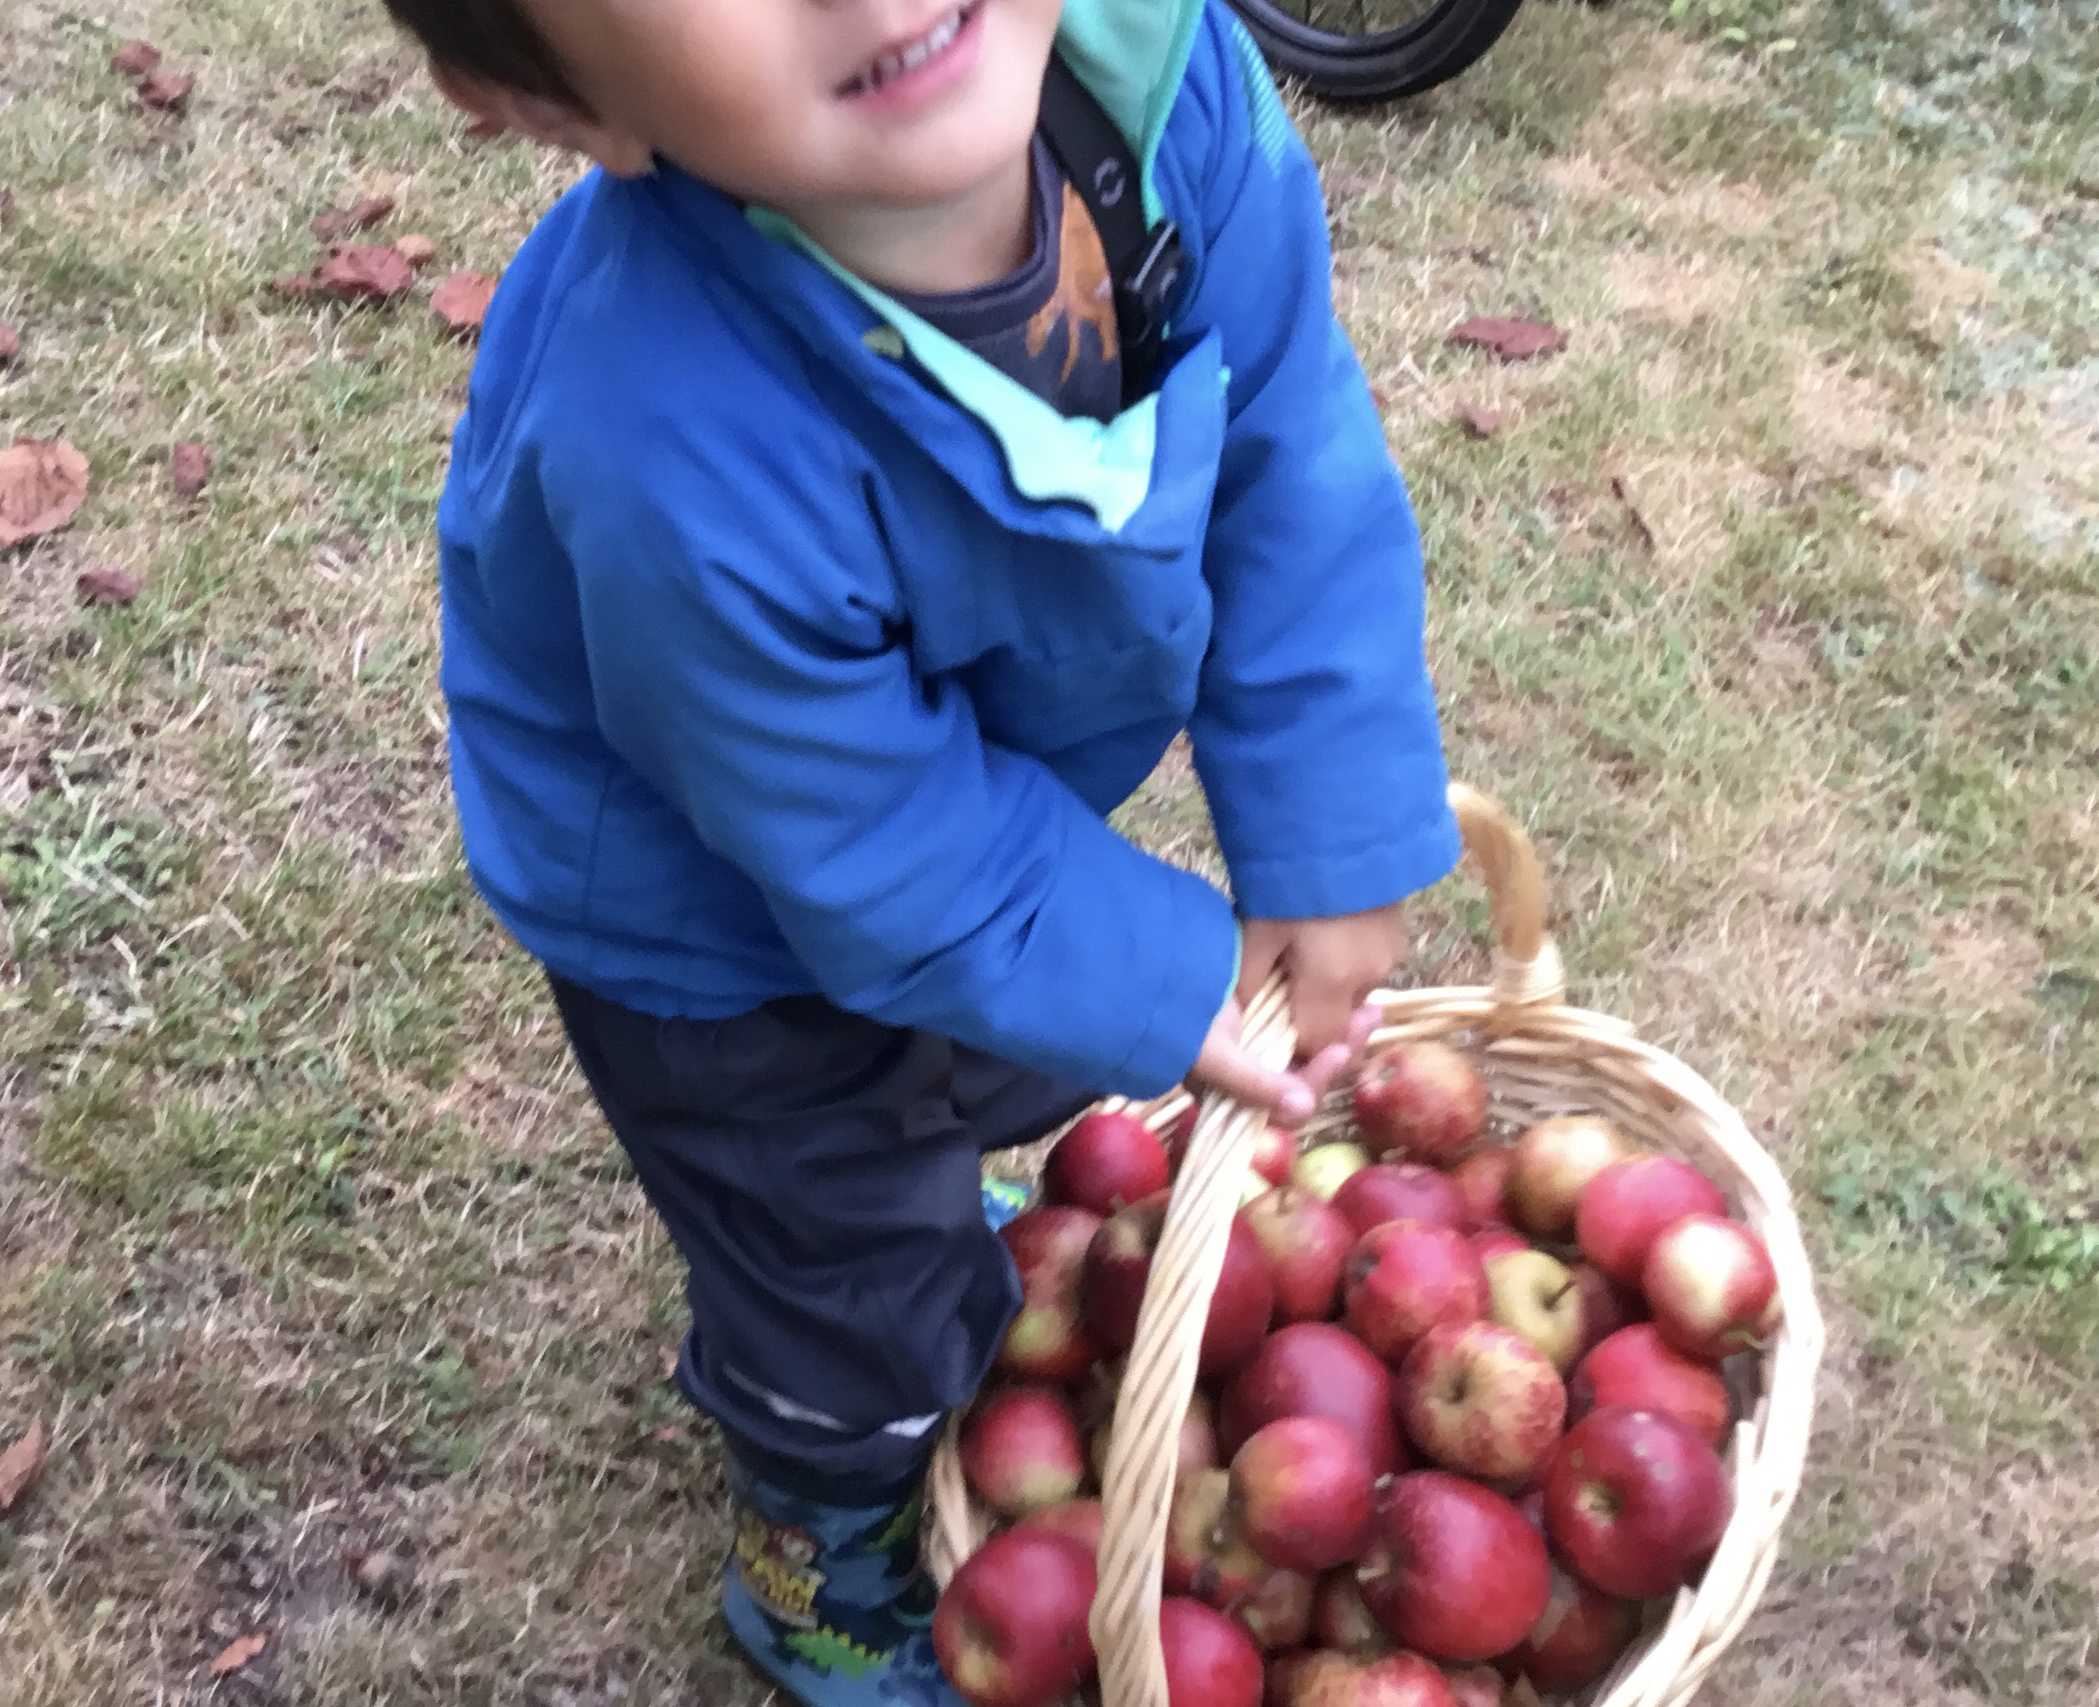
[1332, 965]
[1224, 1065]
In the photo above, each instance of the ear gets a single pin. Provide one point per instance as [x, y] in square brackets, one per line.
[555, 123]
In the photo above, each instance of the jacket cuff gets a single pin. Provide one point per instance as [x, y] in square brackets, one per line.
[1311, 887]
[1201, 972]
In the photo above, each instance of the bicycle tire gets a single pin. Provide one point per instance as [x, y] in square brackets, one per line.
[1381, 65]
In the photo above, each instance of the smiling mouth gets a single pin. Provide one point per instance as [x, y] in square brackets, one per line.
[910, 56]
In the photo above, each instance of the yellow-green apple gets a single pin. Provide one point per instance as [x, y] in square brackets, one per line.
[1370, 1680]
[1119, 1263]
[1306, 1241]
[1048, 1340]
[1537, 1296]
[1625, 1208]
[1277, 1611]
[1325, 1168]
[1711, 1286]
[1406, 1277]
[1480, 1398]
[1554, 1160]
[1210, 1660]
[1578, 1637]
[1207, 1552]
[1636, 1369]
[1423, 1100]
[1021, 1449]
[1304, 1487]
[1454, 1571]
[1010, 1628]
[1635, 1502]
[1314, 1369]
[1399, 1191]
[1482, 1179]
[1339, 1617]
[1105, 1162]
[1082, 1520]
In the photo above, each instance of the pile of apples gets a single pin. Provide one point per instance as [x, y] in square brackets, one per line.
[1460, 1409]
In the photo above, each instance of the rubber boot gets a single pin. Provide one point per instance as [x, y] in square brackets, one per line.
[830, 1600]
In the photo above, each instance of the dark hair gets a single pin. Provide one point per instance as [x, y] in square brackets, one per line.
[491, 39]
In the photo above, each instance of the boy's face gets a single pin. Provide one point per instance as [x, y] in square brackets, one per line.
[807, 103]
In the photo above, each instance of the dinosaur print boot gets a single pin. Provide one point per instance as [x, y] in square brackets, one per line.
[830, 1600]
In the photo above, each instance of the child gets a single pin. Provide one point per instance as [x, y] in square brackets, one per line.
[926, 414]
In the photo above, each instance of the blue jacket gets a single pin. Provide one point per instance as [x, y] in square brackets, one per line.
[790, 647]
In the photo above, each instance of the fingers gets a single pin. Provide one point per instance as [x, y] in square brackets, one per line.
[1261, 946]
[1226, 1067]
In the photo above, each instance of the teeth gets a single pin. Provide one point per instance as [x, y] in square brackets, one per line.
[893, 65]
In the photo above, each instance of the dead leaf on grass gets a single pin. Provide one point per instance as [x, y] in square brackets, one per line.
[482, 130]
[106, 584]
[341, 222]
[22, 1462]
[238, 1653]
[135, 58]
[363, 272]
[1512, 340]
[166, 91]
[42, 483]
[1632, 511]
[462, 302]
[189, 466]
[1478, 422]
[416, 249]
[10, 343]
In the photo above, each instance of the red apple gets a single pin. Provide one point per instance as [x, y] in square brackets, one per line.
[1339, 1617]
[1306, 1241]
[1625, 1208]
[1105, 1163]
[1080, 1519]
[1048, 1341]
[1207, 1552]
[1399, 1191]
[1275, 1154]
[1314, 1369]
[1371, 1680]
[1010, 1629]
[1021, 1449]
[1491, 1242]
[1474, 1686]
[1578, 1637]
[1120, 1263]
[1536, 1296]
[1210, 1660]
[1554, 1160]
[1711, 1286]
[1482, 1399]
[1636, 1369]
[1304, 1487]
[1277, 1612]
[1325, 1168]
[1404, 1278]
[1455, 1572]
[1606, 1306]
[1636, 1502]
[1482, 1179]
[1424, 1100]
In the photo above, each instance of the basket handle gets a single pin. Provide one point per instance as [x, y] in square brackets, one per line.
[1159, 1378]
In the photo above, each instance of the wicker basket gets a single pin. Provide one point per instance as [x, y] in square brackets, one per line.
[1540, 1057]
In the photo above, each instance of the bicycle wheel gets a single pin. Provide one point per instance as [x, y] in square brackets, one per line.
[1373, 50]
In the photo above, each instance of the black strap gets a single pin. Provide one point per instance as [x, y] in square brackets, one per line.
[1144, 261]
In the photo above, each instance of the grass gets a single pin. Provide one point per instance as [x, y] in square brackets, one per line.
[311, 1246]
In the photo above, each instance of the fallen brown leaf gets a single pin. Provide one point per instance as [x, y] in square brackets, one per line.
[1512, 340]
[363, 272]
[10, 343]
[341, 222]
[135, 58]
[166, 91]
[42, 483]
[482, 130]
[1478, 422]
[106, 584]
[22, 1462]
[238, 1653]
[461, 302]
[416, 249]
[1632, 511]
[189, 466]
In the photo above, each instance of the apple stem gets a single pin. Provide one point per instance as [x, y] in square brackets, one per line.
[1557, 1296]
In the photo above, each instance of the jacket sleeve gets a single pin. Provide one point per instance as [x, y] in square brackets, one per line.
[1316, 734]
[753, 670]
